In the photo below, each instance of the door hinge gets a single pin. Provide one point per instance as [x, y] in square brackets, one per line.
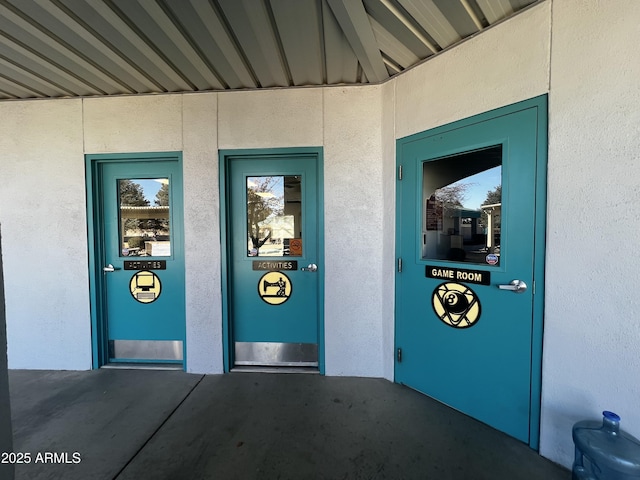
[400, 265]
[399, 172]
[399, 355]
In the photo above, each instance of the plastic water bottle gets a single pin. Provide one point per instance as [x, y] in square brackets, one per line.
[604, 452]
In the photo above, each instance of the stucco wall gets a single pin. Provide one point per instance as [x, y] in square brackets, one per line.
[270, 119]
[354, 237]
[388, 232]
[592, 334]
[43, 216]
[202, 234]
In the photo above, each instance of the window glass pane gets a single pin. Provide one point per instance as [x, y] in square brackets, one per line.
[462, 206]
[144, 217]
[274, 216]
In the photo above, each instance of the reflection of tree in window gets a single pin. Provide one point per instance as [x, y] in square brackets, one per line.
[132, 195]
[162, 196]
[261, 204]
[162, 200]
[494, 197]
[452, 198]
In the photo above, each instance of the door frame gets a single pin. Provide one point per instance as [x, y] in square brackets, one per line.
[225, 157]
[540, 104]
[96, 244]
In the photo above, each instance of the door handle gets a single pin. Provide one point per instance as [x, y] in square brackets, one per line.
[516, 286]
[312, 267]
[109, 268]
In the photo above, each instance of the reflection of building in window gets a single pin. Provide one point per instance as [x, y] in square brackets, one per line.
[281, 228]
[493, 213]
[460, 228]
[467, 223]
[145, 230]
[453, 221]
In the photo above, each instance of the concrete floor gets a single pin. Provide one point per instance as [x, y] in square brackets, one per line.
[135, 424]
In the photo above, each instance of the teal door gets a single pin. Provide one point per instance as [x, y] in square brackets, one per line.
[467, 319]
[140, 260]
[274, 260]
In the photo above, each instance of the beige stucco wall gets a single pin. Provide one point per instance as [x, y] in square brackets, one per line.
[202, 233]
[592, 335]
[271, 119]
[354, 233]
[44, 233]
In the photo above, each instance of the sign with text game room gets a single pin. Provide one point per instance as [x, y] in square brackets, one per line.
[458, 274]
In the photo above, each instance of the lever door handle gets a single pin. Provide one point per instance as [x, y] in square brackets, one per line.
[109, 268]
[312, 267]
[516, 286]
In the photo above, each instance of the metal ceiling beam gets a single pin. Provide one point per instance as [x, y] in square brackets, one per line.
[519, 4]
[222, 49]
[495, 10]
[92, 47]
[458, 16]
[18, 91]
[143, 25]
[24, 77]
[393, 48]
[108, 24]
[354, 21]
[19, 55]
[300, 30]
[340, 60]
[166, 25]
[472, 14]
[49, 49]
[429, 16]
[252, 27]
[397, 24]
[392, 67]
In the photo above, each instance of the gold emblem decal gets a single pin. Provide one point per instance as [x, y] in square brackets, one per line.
[456, 305]
[274, 288]
[145, 286]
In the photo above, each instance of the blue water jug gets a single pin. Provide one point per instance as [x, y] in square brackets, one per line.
[604, 452]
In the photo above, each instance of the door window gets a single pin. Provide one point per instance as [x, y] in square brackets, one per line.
[274, 216]
[462, 207]
[144, 208]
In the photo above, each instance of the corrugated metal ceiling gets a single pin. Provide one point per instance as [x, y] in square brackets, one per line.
[68, 48]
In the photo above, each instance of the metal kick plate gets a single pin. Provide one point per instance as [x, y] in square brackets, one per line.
[146, 349]
[276, 354]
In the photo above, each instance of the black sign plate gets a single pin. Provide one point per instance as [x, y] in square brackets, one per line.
[275, 265]
[479, 277]
[145, 264]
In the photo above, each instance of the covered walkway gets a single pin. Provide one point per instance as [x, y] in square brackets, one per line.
[135, 424]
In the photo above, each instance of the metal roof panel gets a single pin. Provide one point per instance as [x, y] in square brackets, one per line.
[54, 48]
